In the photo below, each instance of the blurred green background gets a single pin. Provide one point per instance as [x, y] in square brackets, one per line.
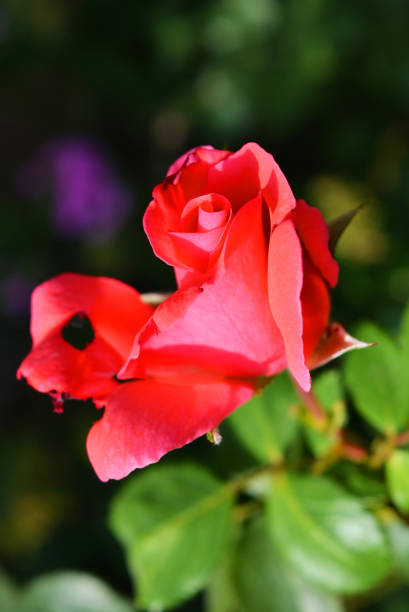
[99, 97]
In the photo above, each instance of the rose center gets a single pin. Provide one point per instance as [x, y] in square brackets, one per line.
[78, 331]
[205, 213]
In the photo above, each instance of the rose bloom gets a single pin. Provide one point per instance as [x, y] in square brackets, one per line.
[253, 270]
[229, 223]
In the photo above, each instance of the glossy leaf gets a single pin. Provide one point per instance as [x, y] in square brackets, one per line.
[398, 533]
[265, 582]
[327, 534]
[9, 596]
[267, 424]
[376, 379]
[328, 390]
[175, 522]
[397, 477]
[221, 595]
[71, 592]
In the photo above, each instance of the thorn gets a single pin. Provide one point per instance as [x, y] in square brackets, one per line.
[338, 226]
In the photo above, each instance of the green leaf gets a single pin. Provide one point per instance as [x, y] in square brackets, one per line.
[328, 389]
[175, 522]
[267, 424]
[398, 533]
[363, 483]
[327, 534]
[8, 594]
[71, 592]
[329, 393]
[397, 478]
[376, 379]
[319, 442]
[221, 595]
[265, 583]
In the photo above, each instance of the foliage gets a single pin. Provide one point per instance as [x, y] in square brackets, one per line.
[297, 535]
[62, 592]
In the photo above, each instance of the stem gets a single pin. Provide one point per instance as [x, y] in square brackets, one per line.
[350, 450]
[244, 511]
[236, 485]
[311, 403]
[402, 438]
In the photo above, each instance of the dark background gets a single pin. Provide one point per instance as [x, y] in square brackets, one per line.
[324, 86]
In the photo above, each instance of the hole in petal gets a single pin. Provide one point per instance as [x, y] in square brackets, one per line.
[78, 331]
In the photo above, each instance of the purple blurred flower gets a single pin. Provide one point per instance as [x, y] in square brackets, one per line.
[88, 197]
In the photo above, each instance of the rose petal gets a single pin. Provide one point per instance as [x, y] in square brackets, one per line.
[187, 278]
[119, 314]
[194, 249]
[144, 420]
[314, 233]
[115, 309]
[55, 300]
[166, 314]
[157, 221]
[53, 365]
[212, 219]
[205, 213]
[201, 236]
[163, 213]
[205, 153]
[315, 305]
[242, 175]
[228, 327]
[236, 177]
[112, 312]
[285, 274]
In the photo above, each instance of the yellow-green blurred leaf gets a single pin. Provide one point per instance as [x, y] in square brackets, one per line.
[377, 381]
[397, 478]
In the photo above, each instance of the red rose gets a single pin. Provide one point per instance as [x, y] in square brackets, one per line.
[229, 223]
[253, 269]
